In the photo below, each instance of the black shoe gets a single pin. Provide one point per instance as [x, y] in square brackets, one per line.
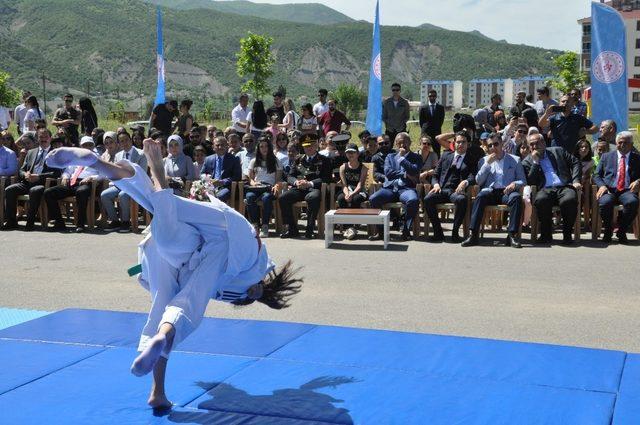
[455, 237]
[406, 235]
[606, 238]
[308, 234]
[437, 237]
[375, 237]
[59, 226]
[472, 240]
[114, 225]
[290, 234]
[512, 241]
[30, 226]
[622, 238]
[10, 225]
[125, 227]
[79, 229]
[567, 239]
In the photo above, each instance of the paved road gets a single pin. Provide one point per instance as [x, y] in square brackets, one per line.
[584, 296]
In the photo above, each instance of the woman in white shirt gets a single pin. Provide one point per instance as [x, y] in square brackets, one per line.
[282, 141]
[290, 120]
[34, 113]
[265, 172]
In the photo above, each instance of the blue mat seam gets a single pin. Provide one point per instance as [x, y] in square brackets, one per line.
[273, 416]
[289, 342]
[52, 372]
[624, 364]
[78, 344]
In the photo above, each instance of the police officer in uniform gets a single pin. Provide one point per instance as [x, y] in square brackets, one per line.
[305, 179]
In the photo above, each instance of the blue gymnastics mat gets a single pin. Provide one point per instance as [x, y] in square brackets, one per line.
[72, 367]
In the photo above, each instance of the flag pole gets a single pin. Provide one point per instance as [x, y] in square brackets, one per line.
[374, 103]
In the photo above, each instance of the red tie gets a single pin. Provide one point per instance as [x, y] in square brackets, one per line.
[76, 174]
[621, 174]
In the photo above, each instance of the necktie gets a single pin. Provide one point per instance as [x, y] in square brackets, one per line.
[37, 168]
[432, 108]
[218, 173]
[458, 161]
[621, 174]
[126, 155]
[76, 174]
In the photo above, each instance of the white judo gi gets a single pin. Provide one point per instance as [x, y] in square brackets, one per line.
[195, 251]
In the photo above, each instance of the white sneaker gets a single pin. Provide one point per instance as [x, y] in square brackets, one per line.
[264, 231]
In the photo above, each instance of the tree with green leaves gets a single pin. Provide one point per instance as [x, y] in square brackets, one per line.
[568, 75]
[350, 99]
[8, 96]
[255, 61]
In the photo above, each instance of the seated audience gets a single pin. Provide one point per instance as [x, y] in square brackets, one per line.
[8, 157]
[618, 181]
[353, 175]
[429, 159]
[556, 173]
[401, 171]
[223, 167]
[178, 167]
[305, 178]
[76, 181]
[453, 175]
[200, 156]
[32, 178]
[500, 176]
[265, 174]
[108, 196]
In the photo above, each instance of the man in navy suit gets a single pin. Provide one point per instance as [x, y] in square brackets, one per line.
[402, 171]
[454, 173]
[618, 179]
[500, 176]
[223, 167]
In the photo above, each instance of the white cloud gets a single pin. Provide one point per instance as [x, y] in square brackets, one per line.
[550, 24]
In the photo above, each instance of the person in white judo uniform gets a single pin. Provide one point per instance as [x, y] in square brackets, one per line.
[195, 251]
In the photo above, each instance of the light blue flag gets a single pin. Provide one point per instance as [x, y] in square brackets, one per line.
[374, 106]
[609, 84]
[160, 61]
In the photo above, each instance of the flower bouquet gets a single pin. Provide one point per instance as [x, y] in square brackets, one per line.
[202, 189]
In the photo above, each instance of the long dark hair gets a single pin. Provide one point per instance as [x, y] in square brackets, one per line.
[34, 102]
[576, 151]
[87, 110]
[278, 288]
[258, 115]
[271, 159]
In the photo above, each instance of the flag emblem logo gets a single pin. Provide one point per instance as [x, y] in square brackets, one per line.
[608, 67]
[377, 67]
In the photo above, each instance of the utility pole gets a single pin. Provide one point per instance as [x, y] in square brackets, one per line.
[44, 93]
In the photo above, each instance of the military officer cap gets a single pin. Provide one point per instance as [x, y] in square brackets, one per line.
[308, 139]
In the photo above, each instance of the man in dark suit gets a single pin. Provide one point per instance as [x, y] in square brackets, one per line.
[432, 118]
[454, 173]
[384, 149]
[33, 175]
[305, 179]
[557, 174]
[402, 172]
[223, 167]
[618, 179]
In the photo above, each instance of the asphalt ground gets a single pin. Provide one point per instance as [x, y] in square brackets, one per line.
[587, 295]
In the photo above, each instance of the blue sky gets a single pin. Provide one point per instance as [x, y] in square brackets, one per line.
[550, 24]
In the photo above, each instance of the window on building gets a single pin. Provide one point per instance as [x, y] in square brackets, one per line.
[635, 96]
[636, 61]
[637, 43]
[636, 75]
[637, 25]
[586, 47]
[587, 63]
[586, 29]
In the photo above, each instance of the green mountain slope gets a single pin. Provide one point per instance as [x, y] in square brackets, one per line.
[111, 44]
[312, 13]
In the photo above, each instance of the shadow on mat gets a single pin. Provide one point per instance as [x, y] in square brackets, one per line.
[304, 402]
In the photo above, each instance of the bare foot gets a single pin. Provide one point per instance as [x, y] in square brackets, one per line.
[145, 362]
[159, 401]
